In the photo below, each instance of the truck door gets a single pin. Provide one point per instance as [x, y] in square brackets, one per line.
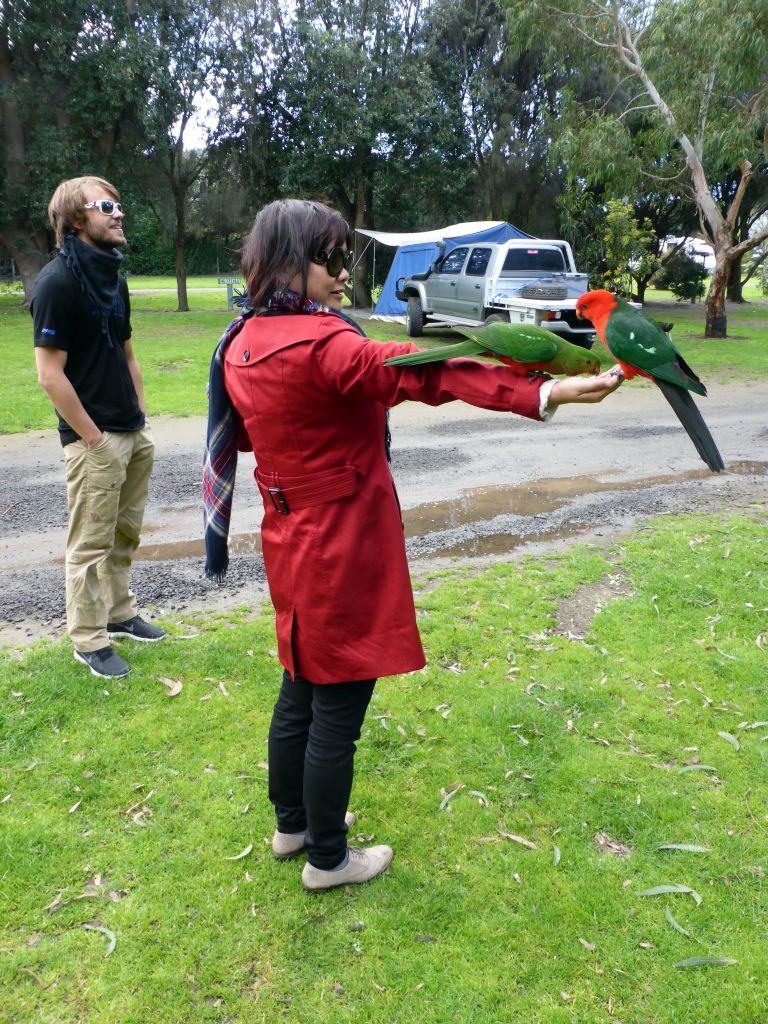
[441, 286]
[470, 288]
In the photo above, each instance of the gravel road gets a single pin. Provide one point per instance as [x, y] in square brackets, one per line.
[473, 485]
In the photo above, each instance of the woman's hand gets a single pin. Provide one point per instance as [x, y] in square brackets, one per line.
[585, 389]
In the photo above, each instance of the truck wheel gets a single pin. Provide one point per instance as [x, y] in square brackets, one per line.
[497, 318]
[414, 318]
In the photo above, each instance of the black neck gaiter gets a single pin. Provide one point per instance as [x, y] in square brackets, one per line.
[98, 274]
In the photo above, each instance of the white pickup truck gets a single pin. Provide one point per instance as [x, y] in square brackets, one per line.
[524, 280]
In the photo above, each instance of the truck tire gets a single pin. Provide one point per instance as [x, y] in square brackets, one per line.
[414, 317]
[497, 318]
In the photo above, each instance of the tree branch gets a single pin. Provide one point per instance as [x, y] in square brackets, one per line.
[733, 210]
[748, 244]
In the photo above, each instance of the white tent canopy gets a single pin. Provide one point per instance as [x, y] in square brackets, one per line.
[398, 238]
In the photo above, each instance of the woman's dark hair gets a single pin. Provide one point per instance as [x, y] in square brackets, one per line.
[283, 239]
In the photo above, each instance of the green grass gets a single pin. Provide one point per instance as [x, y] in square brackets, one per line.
[174, 349]
[132, 800]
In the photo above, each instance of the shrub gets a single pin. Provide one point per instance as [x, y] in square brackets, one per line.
[682, 275]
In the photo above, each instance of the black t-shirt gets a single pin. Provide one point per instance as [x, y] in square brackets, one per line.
[63, 318]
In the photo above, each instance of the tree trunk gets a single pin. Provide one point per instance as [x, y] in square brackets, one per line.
[28, 250]
[733, 289]
[362, 291]
[716, 322]
[178, 251]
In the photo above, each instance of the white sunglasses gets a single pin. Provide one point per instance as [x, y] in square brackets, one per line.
[106, 206]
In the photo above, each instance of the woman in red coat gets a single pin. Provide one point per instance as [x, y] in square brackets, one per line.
[309, 394]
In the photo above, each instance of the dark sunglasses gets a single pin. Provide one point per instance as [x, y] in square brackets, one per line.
[106, 206]
[334, 260]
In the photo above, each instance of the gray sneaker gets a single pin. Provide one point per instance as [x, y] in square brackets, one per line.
[104, 663]
[288, 844]
[136, 629]
[362, 866]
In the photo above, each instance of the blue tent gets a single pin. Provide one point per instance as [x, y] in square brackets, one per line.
[416, 250]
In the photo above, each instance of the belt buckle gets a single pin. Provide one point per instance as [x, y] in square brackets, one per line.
[278, 500]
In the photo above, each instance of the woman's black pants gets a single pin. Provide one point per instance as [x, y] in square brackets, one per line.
[311, 753]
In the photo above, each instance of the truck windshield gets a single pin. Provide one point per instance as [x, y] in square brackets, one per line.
[523, 261]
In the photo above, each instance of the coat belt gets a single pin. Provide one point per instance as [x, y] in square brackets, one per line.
[289, 494]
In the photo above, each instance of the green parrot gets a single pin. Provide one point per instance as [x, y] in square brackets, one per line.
[641, 347]
[523, 347]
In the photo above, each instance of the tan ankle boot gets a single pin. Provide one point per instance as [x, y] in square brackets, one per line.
[287, 844]
[362, 866]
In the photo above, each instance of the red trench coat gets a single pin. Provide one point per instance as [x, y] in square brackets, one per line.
[312, 395]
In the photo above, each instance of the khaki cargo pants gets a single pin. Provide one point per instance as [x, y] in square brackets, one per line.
[106, 493]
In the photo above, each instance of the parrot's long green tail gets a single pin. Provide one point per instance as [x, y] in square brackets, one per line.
[434, 355]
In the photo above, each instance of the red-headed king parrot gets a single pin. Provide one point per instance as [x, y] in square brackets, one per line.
[640, 346]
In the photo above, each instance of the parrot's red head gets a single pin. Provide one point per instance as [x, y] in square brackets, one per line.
[596, 306]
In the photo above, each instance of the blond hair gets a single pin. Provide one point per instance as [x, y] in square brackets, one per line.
[65, 210]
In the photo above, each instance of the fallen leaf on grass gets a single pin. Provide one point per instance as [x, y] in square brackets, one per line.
[518, 839]
[449, 794]
[662, 890]
[74, 807]
[6, 798]
[174, 686]
[606, 844]
[675, 925]
[555, 856]
[588, 945]
[730, 738]
[696, 768]
[138, 817]
[242, 854]
[378, 987]
[140, 804]
[56, 903]
[707, 961]
[685, 847]
[104, 931]
[38, 979]
[482, 799]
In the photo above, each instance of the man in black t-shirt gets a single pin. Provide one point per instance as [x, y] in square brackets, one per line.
[87, 367]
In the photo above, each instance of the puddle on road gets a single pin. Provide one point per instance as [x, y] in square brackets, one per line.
[477, 505]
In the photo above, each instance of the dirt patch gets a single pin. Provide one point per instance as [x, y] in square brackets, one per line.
[575, 614]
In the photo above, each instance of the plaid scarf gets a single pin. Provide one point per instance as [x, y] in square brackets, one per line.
[220, 456]
[219, 459]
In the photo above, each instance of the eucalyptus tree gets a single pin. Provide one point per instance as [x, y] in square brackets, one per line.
[699, 69]
[502, 99]
[72, 82]
[184, 40]
[334, 101]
